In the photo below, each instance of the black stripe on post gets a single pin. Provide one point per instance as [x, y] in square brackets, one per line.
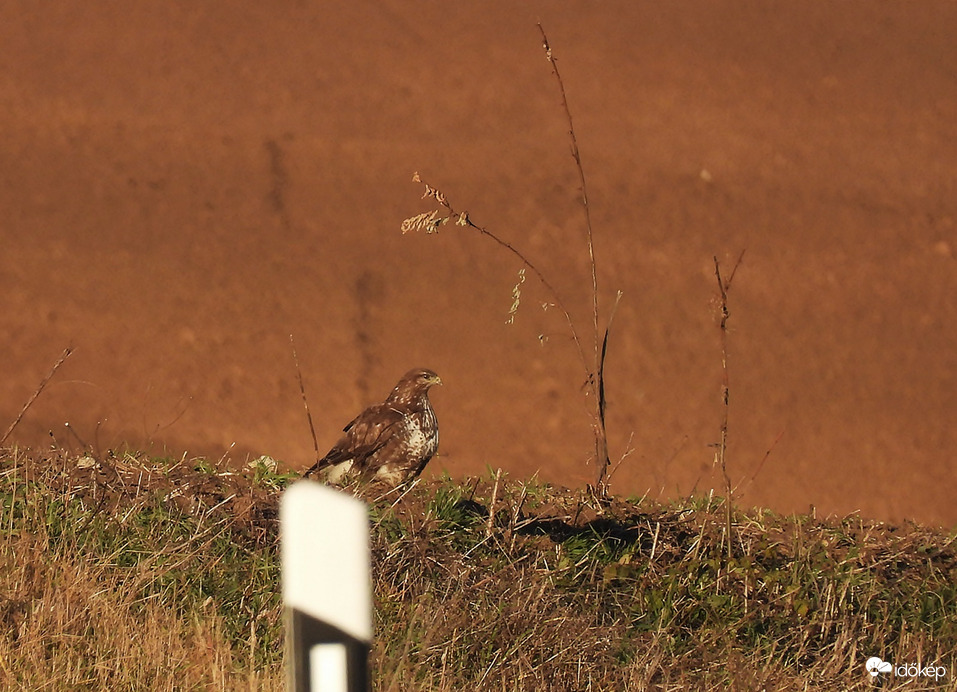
[326, 589]
[328, 659]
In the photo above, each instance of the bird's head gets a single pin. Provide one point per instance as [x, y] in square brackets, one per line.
[414, 384]
[426, 377]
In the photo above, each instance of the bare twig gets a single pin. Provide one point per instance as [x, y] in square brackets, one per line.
[576, 154]
[516, 513]
[305, 402]
[491, 507]
[598, 371]
[43, 383]
[184, 401]
[760, 465]
[431, 223]
[721, 452]
[629, 450]
[601, 437]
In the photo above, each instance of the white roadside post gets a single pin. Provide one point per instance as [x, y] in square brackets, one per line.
[326, 589]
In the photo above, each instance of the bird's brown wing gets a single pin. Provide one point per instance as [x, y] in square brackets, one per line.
[365, 435]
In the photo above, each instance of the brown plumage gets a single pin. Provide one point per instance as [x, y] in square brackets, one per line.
[391, 441]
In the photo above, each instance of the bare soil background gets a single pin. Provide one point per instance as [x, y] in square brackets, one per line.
[182, 186]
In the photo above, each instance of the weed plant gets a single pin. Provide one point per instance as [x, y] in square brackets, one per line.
[593, 364]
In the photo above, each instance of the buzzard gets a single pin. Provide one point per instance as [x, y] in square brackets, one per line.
[391, 441]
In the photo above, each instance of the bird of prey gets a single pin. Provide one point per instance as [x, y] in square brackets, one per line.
[391, 441]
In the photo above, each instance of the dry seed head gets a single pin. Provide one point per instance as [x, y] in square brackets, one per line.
[430, 191]
[434, 194]
[516, 296]
[428, 221]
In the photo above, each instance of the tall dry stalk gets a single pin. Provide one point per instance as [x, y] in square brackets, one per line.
[43, 383]
[305, 401]
[721, 451]
[596, 375]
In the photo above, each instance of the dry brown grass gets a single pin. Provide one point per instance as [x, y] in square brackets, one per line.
[562, 595]
[96, 560]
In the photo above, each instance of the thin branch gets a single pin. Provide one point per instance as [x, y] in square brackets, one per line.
[597, 372]
[760, 465]
[602, 436]
[576, 154]
[43, 383]
[734, 270]
[463, 219]
[305, 402]
[721, 453]
[491, 508]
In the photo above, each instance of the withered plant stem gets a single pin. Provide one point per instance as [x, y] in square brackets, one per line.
[576, 154]
[43, 383]
[305, 402]
[723, 288]
[597, 372]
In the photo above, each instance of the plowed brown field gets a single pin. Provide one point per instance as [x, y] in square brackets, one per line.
[185, 185]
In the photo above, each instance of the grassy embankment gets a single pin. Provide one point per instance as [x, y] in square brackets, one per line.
[126, 572]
